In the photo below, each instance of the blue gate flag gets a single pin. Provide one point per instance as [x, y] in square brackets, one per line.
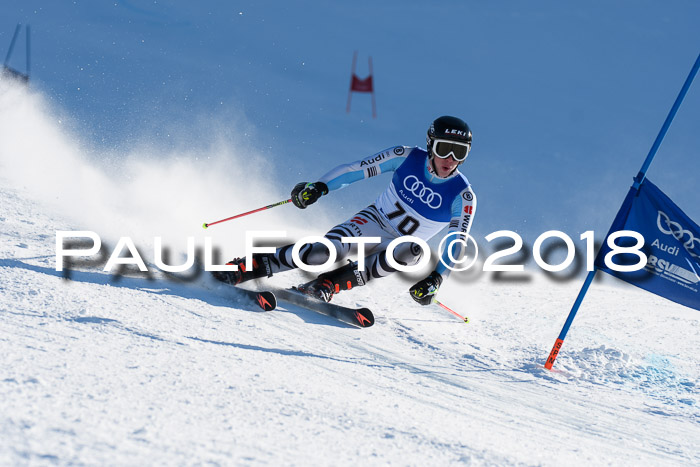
[637, 213]
[671, 243]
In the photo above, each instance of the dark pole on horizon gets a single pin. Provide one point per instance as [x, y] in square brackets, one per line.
[6, 68]
[12, 45]
[28, 49]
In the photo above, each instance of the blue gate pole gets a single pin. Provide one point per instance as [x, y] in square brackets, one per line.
[664, 128]
[572, 314]
[637, 183]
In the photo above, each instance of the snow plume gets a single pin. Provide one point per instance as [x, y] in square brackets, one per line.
[144, 192]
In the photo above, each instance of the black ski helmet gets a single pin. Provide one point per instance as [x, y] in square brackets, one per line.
[450, 129]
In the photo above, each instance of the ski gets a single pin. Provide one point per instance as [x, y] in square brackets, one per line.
[267, 301]
[264, 299]
[360, 317]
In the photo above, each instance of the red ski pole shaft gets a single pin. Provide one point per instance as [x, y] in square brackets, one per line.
[205, 225]
[442, 305]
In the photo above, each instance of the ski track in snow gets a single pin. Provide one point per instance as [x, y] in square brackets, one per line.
[99, 371]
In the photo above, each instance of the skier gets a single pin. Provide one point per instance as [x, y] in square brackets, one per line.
[427, 192]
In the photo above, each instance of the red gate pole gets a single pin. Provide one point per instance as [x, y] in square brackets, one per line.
[371, 74]
[352, 76]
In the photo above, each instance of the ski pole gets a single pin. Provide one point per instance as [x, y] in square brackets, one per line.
[205, 225]
[463, 318]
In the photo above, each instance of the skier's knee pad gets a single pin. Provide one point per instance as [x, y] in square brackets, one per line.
[408, 254]
[316, 255]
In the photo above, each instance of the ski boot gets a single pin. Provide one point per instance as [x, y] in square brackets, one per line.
[261, 268]
[330, 283]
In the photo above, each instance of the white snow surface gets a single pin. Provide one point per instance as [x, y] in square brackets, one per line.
[128, 371]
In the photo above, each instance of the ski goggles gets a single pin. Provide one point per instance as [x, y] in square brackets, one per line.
[444, 149]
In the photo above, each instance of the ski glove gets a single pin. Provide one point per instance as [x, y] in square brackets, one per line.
[304, 194]
[424, 291]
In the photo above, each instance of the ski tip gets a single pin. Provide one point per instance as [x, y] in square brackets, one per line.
[266, 300]
[364, 317]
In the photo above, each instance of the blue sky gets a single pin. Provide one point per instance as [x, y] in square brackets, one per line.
[564, 99]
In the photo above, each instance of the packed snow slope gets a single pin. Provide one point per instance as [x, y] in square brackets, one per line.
[101, 369]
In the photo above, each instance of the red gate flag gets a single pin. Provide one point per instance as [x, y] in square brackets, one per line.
[362, 85]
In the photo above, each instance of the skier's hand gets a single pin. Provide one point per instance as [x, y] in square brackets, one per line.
[304, 194]
[424, 291]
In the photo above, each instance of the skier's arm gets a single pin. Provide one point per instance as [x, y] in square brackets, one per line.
[463, 209]
[382, 162]
[304, 194]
